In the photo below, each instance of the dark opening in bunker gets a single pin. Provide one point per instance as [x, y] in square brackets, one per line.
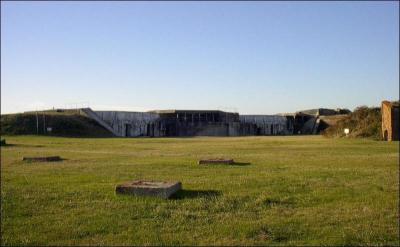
[128, 128]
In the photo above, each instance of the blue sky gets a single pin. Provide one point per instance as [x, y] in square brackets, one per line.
[250, 57]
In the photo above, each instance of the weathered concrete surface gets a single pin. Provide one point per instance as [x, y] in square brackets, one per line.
[42, 159]
[171, 123]
[310, 126]
[390, 120]
[199, 122]
[191, 123]
[149, 188]
[131, 124]
[93, 115]
[216, 161]
[203, 129]
[266, 124]
[177, 123]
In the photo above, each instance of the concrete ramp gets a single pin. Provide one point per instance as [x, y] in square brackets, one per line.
[91, 114]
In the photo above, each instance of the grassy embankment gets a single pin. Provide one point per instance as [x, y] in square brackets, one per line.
[295, 191]
[68, 123]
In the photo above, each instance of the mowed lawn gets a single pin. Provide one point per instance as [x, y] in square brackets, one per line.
[296, 190]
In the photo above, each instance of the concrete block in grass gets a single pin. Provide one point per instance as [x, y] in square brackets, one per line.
[159, 189]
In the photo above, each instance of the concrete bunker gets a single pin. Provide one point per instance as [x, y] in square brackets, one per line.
[180, 123]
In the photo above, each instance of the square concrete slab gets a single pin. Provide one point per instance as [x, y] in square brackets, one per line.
[42, 159]
[149, 188]
[216, 161]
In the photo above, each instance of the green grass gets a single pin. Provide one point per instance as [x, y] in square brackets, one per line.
[67, 123]
[295, 191]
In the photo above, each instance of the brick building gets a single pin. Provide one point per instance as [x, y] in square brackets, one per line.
[390, 120]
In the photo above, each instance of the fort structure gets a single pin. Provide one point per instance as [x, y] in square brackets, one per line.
[390, 120]
[179, 123]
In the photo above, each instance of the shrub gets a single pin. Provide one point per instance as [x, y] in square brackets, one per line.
[362, 122]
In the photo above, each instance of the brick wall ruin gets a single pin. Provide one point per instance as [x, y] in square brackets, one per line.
[390, 120]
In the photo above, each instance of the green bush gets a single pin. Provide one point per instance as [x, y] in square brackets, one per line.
[362, 122]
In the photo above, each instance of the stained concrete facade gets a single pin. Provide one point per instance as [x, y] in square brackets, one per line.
[132, 124]
[160, 123]
[266, 125]
[390, 120]
[199, 123]
[170, 123]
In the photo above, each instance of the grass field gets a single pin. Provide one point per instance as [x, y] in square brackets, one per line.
[294, 191]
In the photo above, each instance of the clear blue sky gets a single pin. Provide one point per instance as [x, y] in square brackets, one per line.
[252, 57]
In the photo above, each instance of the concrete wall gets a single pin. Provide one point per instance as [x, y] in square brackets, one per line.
[202, 129]
[131, 123]
[265, 124]
[310, 126]
[135, 124]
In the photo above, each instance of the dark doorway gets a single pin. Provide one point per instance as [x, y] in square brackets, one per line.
[272, 129]
[150, 129]
[128, 130]
[385, 135]
[170, 129]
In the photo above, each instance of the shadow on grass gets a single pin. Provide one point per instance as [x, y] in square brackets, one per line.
[271, 202]
[21, 145]
[29, 161]
[240, 164]
[190, 194]
[227, 164]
